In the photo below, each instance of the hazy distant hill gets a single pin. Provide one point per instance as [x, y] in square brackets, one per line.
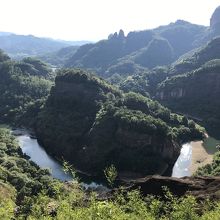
[74, 43]
[182, 35]
[195, 59]
[148, 48]
[59, 58]
[19, 46]
[5, 33]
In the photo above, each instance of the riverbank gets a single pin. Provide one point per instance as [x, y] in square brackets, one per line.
[200, 157]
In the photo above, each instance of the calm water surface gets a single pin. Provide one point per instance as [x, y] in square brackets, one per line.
[182, 165]
[38, 155]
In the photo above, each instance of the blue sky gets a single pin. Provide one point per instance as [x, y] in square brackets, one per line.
[96, 19]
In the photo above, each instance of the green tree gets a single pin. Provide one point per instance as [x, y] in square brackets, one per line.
[111, 174]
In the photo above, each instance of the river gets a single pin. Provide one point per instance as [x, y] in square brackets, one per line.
[38, 155]
[194, 155]
[182, 165]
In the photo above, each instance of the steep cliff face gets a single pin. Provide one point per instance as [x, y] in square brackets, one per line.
[195, 93]
[215, 20]
[175, 93]
[70, 112]
[94, 125]
[201, 83]
[129, 145]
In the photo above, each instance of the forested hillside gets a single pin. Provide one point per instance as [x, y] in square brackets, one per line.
[189, 86]
[89, 122]
[195, 87]
[59, 57]
[207, 52]
[148, 48]
[23, 89]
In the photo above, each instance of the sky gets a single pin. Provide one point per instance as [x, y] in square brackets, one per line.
[95, 19]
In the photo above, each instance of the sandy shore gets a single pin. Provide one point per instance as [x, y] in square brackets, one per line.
[199, 156]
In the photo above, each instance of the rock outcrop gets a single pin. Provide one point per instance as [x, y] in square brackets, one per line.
[175, 93]
[215, 19]
[200, 187]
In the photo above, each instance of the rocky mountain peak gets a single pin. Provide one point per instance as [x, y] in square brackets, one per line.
[215, 19]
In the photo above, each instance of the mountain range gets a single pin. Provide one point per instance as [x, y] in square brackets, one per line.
[121, 108]
[20, 46]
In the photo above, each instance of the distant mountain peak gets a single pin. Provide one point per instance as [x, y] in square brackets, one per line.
[121, 34]
[181, 22]
[2, 33]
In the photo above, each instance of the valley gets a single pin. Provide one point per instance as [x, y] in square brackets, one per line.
[124, 128]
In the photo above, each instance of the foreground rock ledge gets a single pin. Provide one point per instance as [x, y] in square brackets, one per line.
[200, 187]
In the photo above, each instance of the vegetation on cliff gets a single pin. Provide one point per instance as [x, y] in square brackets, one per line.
[94, 125]
[190, 86]
[23, 88]
[195, 93]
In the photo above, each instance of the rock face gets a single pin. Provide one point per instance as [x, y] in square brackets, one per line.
[200, 187]
[215, 19]
[175, 93]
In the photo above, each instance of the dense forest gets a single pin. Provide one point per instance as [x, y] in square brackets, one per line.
[118, 109]
[24, 87]
[195, 90]
[89, 122]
